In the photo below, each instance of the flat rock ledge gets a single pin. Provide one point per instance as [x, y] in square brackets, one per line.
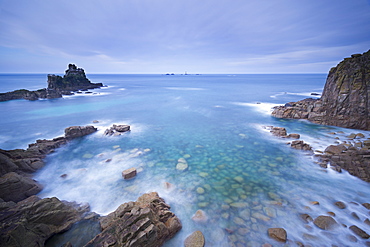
[17, 166]
[146, 222]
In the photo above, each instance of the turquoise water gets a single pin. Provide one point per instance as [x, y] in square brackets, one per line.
[243, 179]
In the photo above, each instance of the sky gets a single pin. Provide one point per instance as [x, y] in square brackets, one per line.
[174, 36]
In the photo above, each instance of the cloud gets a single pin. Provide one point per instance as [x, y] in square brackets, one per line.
[176, 34]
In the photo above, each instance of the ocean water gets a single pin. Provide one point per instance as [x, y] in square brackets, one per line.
[244, 179]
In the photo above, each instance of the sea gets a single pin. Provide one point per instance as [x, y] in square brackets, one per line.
[243, 179]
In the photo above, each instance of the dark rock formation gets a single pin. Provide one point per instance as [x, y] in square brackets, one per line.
[146, 222]
[73, 80]
[32, 221]
[354, 160]
[117, 130]
[78, 131]
[16, 166]
[345, 101]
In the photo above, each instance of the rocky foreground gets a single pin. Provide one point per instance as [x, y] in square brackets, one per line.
[345, 101]
[27, 220]
[74, 80]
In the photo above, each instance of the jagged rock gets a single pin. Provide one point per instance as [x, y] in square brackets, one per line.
[196, 239]
[146, 222]
[129, 173]
[117, 129]
[344, 100]
[73, 80]
[78, 131]
[325, 222]
[14, 187]
[32, 221]
[301, 145]
[279, 234]
[278, 131]
[17, 165]
[359, 232]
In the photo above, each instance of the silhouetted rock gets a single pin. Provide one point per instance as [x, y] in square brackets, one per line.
[73, 80]
[345, 100]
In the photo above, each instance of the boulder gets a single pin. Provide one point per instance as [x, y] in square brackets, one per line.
[301, 145]
[78, 131]
[146, 222]
[196, 239]
[359, 232]
[129, 173]
[32, 221]
[340, 205]
[279, 234]
[117, 130]
[325, 222]
[278, 131]
[14, 187]
[335, 149]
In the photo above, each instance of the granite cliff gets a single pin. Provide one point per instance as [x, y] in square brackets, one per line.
[345, 100]
[73, 80]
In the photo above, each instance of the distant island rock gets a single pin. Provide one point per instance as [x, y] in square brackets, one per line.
[345, 101]
[74, 80]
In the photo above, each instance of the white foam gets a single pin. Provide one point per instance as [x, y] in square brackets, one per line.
[306, 94]
[262, 107]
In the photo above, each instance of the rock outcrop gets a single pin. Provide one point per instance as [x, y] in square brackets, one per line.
[32, 221]
[73, 80]
[345, 101]
[16, 166]
[146, 222]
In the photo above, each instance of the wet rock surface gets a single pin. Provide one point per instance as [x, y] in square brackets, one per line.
[32, 221]
[146, 222]
[17, 166]
[344, 101]
[279, 234]
[196, 239]
[116, 130]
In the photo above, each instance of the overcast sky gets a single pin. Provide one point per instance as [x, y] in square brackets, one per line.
[197, 36]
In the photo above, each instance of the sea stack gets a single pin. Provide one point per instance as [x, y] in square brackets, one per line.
[345, 101]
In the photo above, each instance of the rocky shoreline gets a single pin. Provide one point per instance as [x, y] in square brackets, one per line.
[353, 158]
[74, 80]
[345, 100]
[26, 218]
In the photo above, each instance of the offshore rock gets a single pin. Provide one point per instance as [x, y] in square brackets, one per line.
[32, 221]
[117, 130]
[78, 131]
[73, 80]
[345, 101]
[146, 222]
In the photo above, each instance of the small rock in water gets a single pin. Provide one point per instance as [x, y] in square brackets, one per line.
[182, 166]
[325, 222]
[63, 175]
[279, 234]
[200, 216]
[359, 232]
[196, 239]
[239, 179]
[203, 174]
[129, 173]
[200, 190]
[186, 156]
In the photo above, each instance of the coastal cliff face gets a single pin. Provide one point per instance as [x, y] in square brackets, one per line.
[345, 101]
[73, 80]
